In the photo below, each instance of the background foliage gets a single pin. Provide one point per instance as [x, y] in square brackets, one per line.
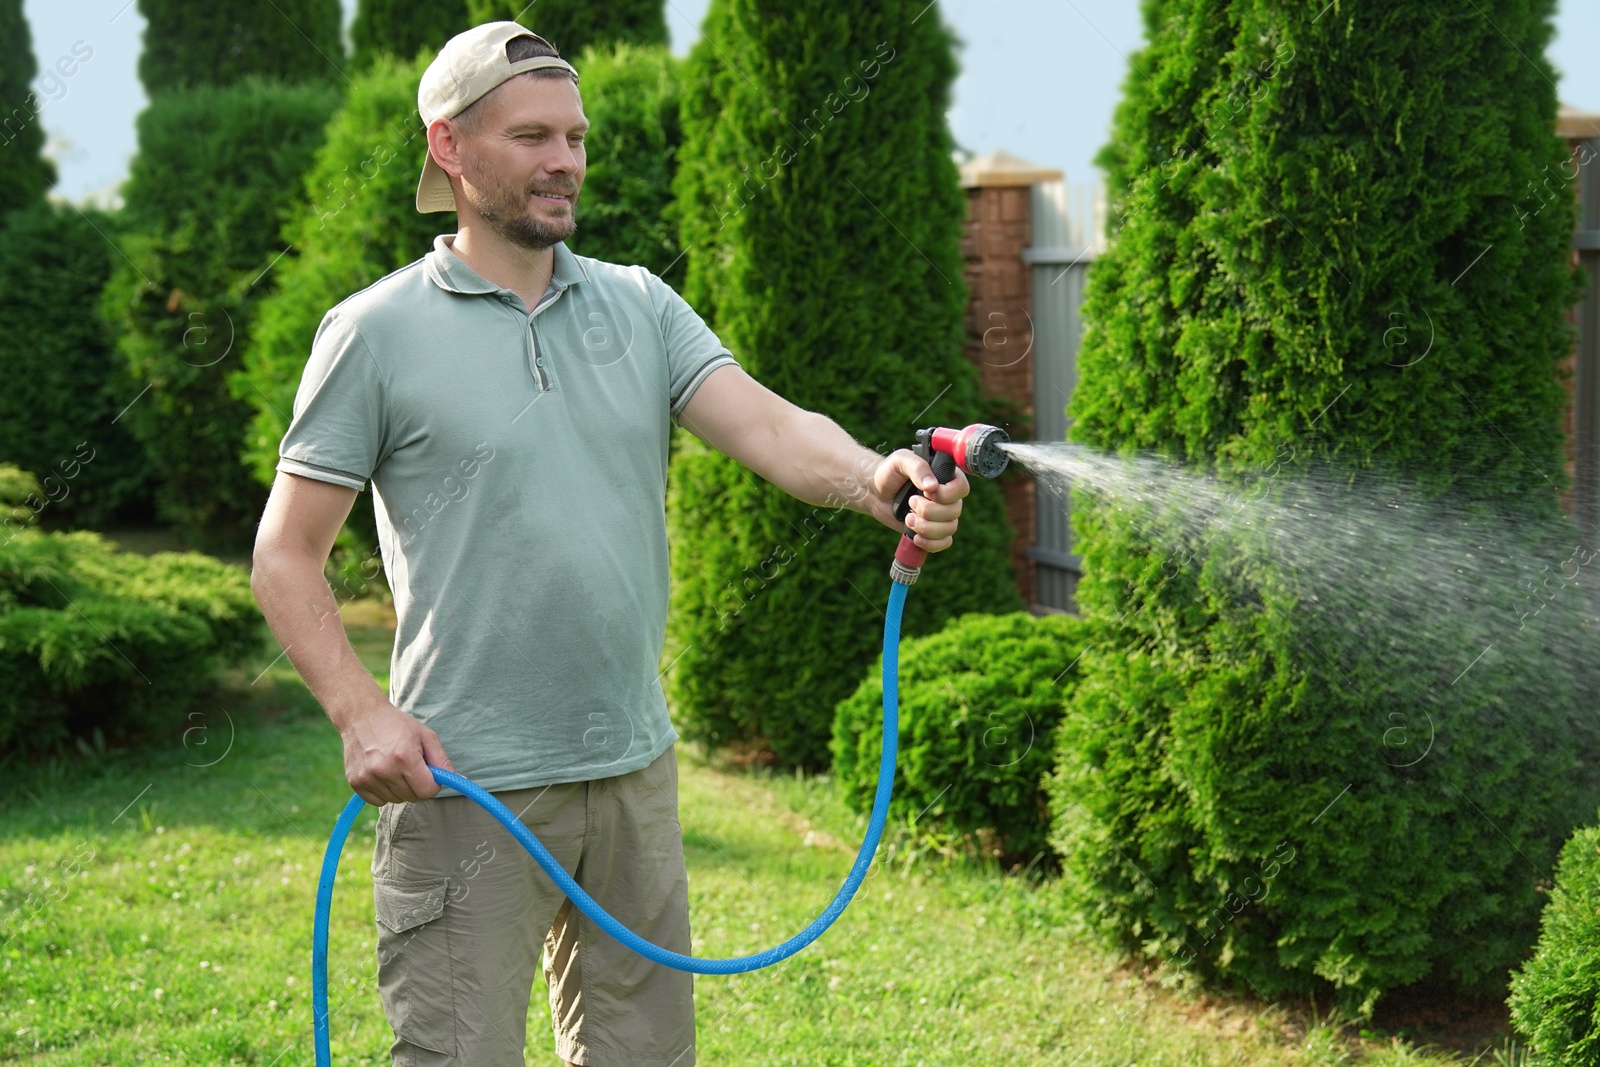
[573, 25]
[27, 174]
[402, 28]
[190, 43]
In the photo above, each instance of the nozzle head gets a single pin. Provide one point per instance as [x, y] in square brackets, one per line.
[976, 449]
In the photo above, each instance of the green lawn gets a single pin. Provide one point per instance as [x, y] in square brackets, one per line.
[156, 906]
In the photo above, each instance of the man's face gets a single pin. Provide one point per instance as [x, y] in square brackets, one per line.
[523, 168]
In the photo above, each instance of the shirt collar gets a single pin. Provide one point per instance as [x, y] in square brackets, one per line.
[449, 271]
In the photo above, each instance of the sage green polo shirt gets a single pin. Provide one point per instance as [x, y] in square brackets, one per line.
[519, 462]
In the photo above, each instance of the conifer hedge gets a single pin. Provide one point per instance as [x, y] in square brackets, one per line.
[190, 43]
[402, 28]
[216, 172]
[26, 174]
[573, 25]
[822, 215]
[1303, 201]
[65, 384]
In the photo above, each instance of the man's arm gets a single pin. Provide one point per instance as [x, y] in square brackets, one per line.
[810, 456]
[386, 751]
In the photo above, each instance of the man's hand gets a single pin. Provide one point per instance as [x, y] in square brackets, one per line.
[935, 513]
[387, 754]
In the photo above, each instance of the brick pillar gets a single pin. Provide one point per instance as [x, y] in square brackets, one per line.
[1000, 317]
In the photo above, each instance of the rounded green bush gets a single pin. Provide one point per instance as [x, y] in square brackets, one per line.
[979, 704]
[1555, 996]
[96, 639]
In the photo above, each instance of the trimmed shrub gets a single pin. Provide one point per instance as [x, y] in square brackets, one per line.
[627, 212]
[65, 383]
[979, 705]
[1555, 996]
[19, 498]
[27, 174]
[1288, 210]
[216, 171]
[402, 28]
[832, 269]
[193, 43]
[355, 222]
[95, 639]
[573, 25]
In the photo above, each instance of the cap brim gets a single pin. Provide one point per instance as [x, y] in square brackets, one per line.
[433, 188]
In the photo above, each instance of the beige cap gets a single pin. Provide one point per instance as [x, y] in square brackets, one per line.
[467, 68]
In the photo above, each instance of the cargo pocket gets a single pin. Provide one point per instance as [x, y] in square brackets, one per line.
[414, 972]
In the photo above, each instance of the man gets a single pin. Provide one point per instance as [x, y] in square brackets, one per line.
[511, 403]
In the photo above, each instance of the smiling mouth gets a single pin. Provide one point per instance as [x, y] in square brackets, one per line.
[552, 198]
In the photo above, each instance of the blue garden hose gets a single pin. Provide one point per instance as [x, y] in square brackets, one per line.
[586, 904]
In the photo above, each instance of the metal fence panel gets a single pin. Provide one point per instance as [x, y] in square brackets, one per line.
[1063, 246]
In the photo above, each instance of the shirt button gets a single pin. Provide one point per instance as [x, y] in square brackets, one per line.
[539, 361]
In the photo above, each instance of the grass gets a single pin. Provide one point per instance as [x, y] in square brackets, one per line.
[155, 906]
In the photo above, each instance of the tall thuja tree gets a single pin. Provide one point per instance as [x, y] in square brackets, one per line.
[1269, 775]
[201, 42]
[60, 405]
[405, 27]
[573, 25]
[217, 170]
[823, 215]
[26, 174]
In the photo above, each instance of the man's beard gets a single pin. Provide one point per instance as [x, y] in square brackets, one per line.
[505, 209]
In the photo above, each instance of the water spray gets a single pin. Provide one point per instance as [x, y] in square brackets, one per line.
[977, 449]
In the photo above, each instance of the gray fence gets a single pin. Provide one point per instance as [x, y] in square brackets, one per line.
[1066, 235]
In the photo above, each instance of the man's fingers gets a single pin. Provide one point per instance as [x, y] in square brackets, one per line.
[418, 780]
[433, 751]
[914, 468]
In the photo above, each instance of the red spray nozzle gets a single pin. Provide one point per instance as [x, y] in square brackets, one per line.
[976, 448]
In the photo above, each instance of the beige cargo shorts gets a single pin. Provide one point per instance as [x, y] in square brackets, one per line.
[464, 912]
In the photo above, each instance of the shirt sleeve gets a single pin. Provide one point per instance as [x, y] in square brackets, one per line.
[336, 434]
[693, 351]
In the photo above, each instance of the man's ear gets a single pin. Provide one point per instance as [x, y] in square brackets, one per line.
[444, 142]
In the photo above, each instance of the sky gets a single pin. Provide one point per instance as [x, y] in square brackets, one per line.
[1039, 78]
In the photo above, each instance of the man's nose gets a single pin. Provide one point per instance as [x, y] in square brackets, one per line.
[563, 161]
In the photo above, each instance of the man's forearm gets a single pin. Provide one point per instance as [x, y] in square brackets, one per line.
[822, 464]
[304, 616]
